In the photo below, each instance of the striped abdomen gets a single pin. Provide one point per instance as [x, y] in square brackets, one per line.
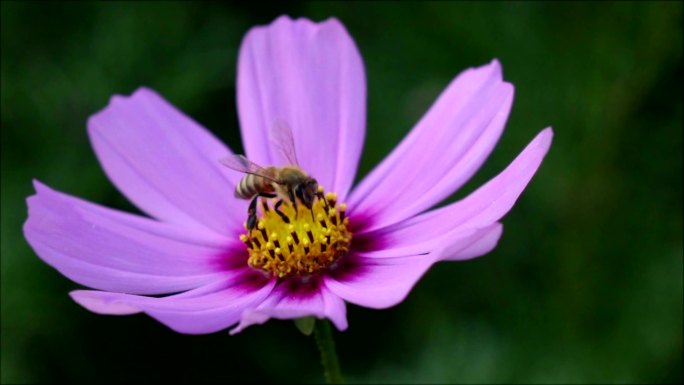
[252, 184]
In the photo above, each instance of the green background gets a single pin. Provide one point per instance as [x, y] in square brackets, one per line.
[585, 285]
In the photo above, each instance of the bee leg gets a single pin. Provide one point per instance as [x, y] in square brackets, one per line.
[322, 197]
[267, 196]
[252, 210]
[291, 194]
[251, 223]
[276, 208]
[251, 215]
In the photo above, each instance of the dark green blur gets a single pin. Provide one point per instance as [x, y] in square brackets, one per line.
[585, 285]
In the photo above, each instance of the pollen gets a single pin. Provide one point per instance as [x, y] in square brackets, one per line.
[286, 243]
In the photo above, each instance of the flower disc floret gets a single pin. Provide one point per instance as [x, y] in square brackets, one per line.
[289, 243]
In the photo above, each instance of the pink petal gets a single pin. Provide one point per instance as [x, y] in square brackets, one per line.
[377, 282]
[441, 153]
[397, 256]
[480, 243]
[295, 299]
[479, 210]
[166, 163]
[311, 76]
[447, 244]
[383, 278]
[204, 310]
[111, 250]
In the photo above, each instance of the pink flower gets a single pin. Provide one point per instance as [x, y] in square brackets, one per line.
[194, 248]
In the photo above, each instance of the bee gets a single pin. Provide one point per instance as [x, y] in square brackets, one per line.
[289, 182]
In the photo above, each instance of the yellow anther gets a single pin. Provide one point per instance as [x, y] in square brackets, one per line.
[306, 244]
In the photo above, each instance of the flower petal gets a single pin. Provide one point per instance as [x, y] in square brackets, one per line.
[441, 153]
[310, 76]
[296, 299]
[383, 278]
[111, 250]
[449, 244]
[377, 282]
[479, 210]
[166, 163]
[204, 310]
[478, 244]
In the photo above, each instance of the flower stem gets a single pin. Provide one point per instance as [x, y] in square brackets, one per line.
[326, 345]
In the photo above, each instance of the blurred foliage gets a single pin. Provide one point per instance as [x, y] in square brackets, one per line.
[585, 285]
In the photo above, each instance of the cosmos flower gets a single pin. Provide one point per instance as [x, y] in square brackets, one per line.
[194, 266]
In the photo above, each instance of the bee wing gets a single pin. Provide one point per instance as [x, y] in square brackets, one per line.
[281, 138]
[242, 164]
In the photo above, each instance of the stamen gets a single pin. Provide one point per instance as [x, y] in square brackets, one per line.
[331, 198]
[343, 208]
[321, 219]
[261, 228]
[245, 240]
[284, 217]
[288, 242]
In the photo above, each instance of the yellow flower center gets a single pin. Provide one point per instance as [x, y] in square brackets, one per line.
[298, 244]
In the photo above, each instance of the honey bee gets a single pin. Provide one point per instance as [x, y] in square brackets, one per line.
[289, 182]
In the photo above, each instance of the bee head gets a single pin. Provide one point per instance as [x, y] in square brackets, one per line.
[306, 192]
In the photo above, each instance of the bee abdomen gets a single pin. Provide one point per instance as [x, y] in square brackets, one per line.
[246, 188]
[250, 185]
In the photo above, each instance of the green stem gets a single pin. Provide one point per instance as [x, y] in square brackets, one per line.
[326, 345]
